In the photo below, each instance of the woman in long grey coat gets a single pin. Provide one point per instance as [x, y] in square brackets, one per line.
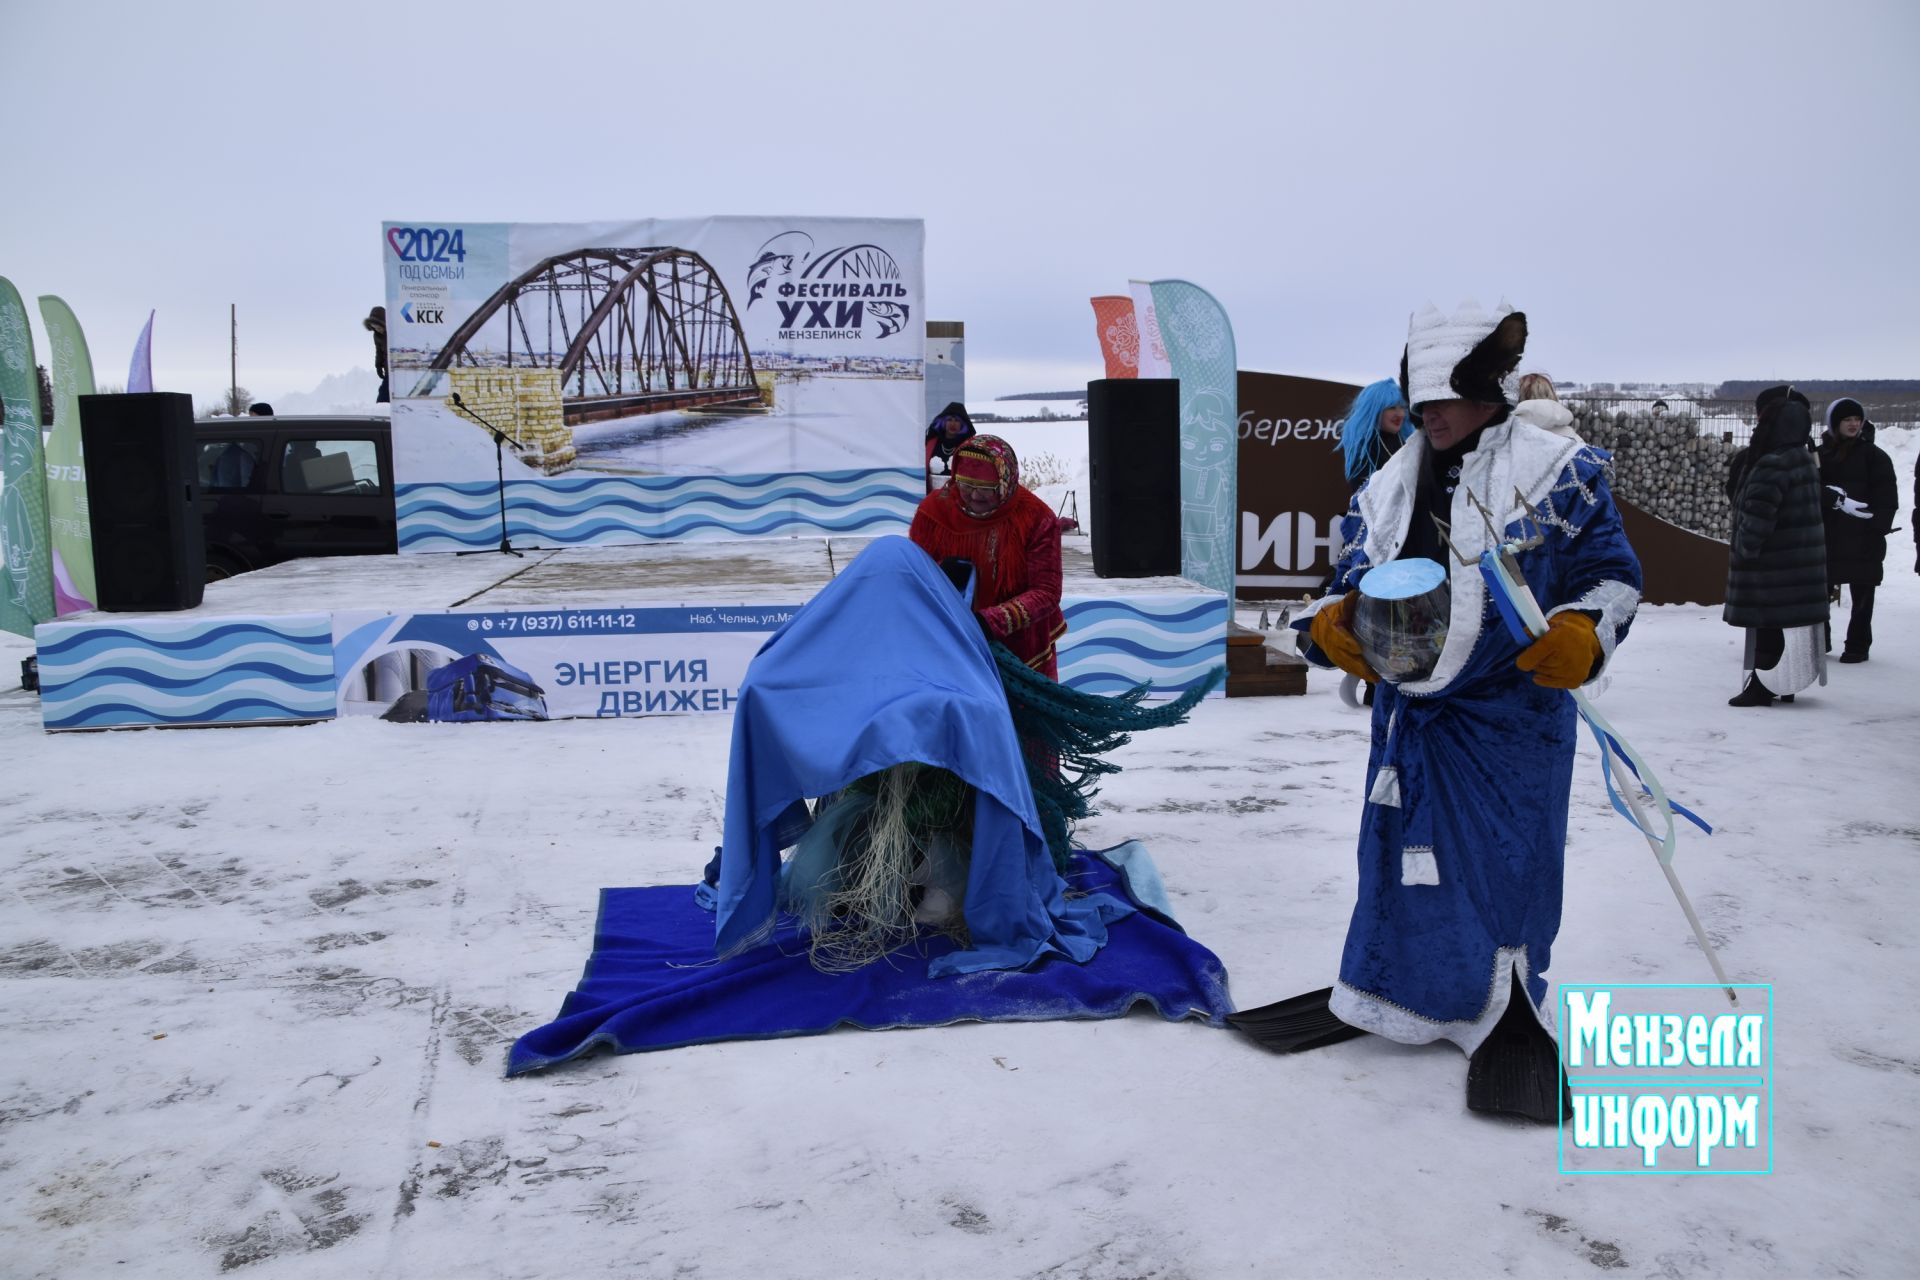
[1777, 573]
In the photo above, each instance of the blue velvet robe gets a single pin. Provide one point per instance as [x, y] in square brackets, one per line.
[1463, 838]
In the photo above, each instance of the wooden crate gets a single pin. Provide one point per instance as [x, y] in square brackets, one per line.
[1257, 670]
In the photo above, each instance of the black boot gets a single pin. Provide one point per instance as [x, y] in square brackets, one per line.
[1754, 695]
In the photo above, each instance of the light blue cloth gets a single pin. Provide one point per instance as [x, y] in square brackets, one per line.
[887, 665]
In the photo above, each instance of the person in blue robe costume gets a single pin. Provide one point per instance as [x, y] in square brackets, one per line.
[1463, 835]
[884, 666]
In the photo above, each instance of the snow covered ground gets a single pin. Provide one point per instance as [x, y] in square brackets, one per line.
[257, 986]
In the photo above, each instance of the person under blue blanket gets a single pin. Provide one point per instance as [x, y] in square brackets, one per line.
[885, 666]
[1463, 836]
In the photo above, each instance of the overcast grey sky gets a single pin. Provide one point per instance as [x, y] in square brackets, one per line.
[1670, 190]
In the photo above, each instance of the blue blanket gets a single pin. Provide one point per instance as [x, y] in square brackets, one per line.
[888, 665]
[652, 981]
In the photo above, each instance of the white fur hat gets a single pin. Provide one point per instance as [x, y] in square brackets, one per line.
[1437, 365]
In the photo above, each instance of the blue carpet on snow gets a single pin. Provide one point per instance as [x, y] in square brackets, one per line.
[652, 981]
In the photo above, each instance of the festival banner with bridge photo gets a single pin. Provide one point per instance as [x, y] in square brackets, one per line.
[661, 379]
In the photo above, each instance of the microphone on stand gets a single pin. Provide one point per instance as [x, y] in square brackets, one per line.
[474, 413]
[500, 439]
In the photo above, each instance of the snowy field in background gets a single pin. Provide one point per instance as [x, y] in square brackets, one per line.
[258, 986]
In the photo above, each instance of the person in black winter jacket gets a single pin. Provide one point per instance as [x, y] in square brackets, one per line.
[1860, 499]
[1777, 572]
[950, 429]
[376, 324]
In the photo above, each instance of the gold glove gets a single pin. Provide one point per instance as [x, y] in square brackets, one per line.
[1563, 658]
[1336, 639]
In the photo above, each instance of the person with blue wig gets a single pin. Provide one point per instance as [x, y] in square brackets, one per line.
[1376, 426]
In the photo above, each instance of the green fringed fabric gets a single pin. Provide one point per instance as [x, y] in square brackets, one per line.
[1066, 732]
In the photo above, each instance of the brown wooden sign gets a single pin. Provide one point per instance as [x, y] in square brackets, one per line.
[1680, 566]
[1293, 491]
[1293, 486]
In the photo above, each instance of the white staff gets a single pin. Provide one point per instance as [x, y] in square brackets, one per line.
[1527, 622]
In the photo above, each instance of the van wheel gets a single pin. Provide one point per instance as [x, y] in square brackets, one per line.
[221, 566]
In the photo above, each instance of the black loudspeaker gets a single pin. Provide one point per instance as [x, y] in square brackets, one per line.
[144, 501]
[1133, 476]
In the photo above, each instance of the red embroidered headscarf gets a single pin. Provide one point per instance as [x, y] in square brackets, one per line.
[985, 475]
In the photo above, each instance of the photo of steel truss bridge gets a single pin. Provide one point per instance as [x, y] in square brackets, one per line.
[629, 331]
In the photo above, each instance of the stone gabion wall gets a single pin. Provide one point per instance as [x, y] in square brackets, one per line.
[1663, 465]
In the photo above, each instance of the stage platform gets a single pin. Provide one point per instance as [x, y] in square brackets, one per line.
[656, 628]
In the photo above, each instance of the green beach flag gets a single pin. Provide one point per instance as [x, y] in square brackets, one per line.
[26, 558]
[66, 468]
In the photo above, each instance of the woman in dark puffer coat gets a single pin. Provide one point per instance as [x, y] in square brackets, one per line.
[1860, 500]
[1777, 573]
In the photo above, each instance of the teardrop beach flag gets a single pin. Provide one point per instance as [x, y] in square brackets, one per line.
[26, 565]
[140, 372]
[1200, 347]
[1153, 351]
[66, 468]
[1119, 336]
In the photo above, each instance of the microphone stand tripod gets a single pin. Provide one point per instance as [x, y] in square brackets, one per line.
[500, 440]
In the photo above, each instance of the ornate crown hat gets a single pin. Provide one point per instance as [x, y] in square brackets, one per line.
[1469, 355]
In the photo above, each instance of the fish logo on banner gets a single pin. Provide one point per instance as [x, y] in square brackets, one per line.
[832, 294]
[776, 260]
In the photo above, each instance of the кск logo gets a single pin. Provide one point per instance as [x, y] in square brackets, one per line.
[422, 315]
[831, 294]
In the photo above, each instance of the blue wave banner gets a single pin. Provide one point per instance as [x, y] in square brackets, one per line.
[181, 672]
[600, 661]
[583, 510]
[1112, 644]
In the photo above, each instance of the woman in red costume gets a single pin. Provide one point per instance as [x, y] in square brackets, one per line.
[983, 515]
